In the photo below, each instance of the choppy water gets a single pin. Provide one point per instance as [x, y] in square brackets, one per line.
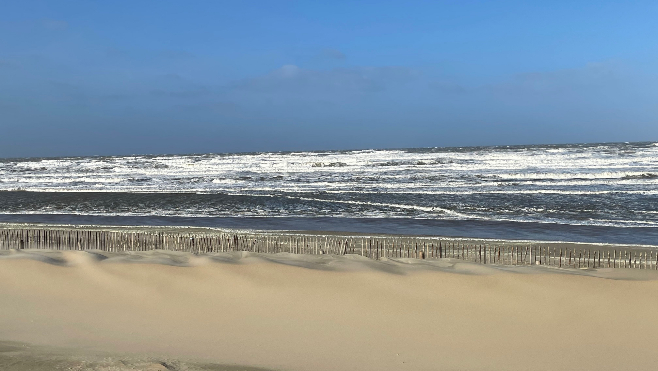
[599, 192]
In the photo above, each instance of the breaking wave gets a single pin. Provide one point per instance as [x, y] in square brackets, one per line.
[588, 184]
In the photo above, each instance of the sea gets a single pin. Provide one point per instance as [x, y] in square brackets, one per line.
[601, 193]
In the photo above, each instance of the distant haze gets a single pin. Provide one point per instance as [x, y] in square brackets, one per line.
[124, 77]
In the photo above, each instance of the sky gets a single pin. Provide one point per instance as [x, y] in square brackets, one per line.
[153, 77]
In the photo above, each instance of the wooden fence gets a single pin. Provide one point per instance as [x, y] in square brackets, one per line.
[374, 247]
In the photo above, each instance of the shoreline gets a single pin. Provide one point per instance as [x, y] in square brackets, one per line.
[478, 229]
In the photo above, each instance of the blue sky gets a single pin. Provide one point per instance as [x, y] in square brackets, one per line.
[123, 77]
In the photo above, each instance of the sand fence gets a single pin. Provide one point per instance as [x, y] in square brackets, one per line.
[375, 247]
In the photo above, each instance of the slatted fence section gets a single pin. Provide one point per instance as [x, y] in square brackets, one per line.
[374, 247]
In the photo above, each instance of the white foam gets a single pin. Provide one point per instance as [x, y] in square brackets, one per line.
[598, 170]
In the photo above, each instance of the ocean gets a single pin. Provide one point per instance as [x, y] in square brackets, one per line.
[603, 193]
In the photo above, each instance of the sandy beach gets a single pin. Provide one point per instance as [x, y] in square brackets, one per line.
[294, 312]
[328, 186]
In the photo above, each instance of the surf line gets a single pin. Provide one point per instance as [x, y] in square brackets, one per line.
[397, 206]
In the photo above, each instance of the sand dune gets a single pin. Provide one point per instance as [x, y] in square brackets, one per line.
[293, 312]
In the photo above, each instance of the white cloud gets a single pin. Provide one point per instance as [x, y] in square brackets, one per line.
[333, 54]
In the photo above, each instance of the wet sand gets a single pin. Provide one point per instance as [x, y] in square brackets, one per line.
[318, 312]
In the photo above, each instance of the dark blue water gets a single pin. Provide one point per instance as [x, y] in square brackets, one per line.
[585, 192]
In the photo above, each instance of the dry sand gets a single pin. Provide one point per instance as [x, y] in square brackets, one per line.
[290, 312]
[15, 356]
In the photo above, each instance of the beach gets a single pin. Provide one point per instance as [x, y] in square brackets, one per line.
[324, 312]
[328, 186]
